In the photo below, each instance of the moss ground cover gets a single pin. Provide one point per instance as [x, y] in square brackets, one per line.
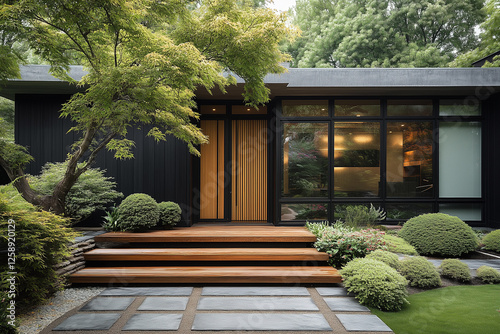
[454, 309]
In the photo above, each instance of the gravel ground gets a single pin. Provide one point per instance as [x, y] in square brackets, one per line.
[58, 305]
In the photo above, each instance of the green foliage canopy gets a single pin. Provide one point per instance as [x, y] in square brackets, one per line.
[383, 33]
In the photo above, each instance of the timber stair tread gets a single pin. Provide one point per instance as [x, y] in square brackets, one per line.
[214, 234]
[205, 254]
[236, 274]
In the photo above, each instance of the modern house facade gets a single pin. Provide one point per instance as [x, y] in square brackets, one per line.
[410, 141]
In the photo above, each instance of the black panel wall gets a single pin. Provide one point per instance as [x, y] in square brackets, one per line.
[491, 160]
[162, 170]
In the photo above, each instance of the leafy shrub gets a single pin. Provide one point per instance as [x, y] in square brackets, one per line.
[138, 212]
[317, 228]
[112, 220]
[388, 258]
[6, 319]
[455, 269]
[375, 284]
[491, 241]
[360, 215]
[41, 241]
[488, 275]
[92, 191]
[439, 234]
[396, 244]
[344, 244]
[420, 273]
[170, 213]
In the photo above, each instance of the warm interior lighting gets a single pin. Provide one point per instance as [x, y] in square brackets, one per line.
[214, 109]
[363, 139]
[338, 139]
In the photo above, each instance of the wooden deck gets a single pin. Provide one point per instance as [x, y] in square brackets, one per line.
[281, 263]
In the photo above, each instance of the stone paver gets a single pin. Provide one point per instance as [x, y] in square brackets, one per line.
[164, 304]
[108, 304]
[256, 304]
[260, 322]
[88, 321]
[254, 291]
[153, 322]
[363, 322]
[332, 291]
[345, 304]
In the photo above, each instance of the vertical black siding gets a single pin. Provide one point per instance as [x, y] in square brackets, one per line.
[162, 170]
[491, 180]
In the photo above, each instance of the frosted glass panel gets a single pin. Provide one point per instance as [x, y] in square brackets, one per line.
[466, 212]
[459, 160]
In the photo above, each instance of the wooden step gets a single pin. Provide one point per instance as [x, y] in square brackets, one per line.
[205, 254]
[215, 234]
[226, 275]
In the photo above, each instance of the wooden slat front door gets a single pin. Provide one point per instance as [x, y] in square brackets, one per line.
[249, 170]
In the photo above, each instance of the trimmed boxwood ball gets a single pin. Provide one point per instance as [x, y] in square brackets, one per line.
[138, 212]
[388, 258]
[420, 273]
[375, 284]
[170, 213]
[439, 234]
[455, 269]
[491, 241]
[488, 275]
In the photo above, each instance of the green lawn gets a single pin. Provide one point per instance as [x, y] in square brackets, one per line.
[455, 309]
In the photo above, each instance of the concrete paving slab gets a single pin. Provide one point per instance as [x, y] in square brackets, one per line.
[363, 323]
[164, 304]
[332, 291]
[146, 291]
[88, 321]
[108, 304]
[260, 322]
[255, 291]
[153, 322]
[345, 304]
[256, 304]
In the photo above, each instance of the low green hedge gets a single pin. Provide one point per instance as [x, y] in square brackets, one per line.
[420, 273]
[375, 284]
[488, 275]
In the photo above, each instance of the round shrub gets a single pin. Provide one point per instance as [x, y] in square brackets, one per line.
[488, 275]
[420, 273]
[455, 269]
[170, 213]
[396, 244]
[491, 241]
[375, 284]
[388, 258]
[439, 234]
[138, 212]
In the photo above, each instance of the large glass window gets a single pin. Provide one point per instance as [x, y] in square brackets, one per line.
[409, 159]
[409, 108]
[357, 108]
[305, 160]
[459, 159]
[304, 108]
[405, 211]
[356, 159]
[467, 107]
[301, 212]
[464, 211]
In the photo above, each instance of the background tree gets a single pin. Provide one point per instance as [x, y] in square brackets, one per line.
[145, 59]
[384, 33]
[490, 38]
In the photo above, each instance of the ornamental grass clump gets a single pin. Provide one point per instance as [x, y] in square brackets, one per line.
[455, 269]
[439, 234]
[375, 284]
[388, 258]
[344, 244]
[491, 241]
[420, 272]
[488, 275]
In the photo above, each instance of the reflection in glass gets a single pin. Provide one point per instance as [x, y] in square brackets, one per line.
[357, 159]
[409, 108]
[304, 108]
[305, 160]
[464, 211]
[467, 107]
[304, 212]
[357, 108]
[460, 159]
[409, 159]
[405, 211]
